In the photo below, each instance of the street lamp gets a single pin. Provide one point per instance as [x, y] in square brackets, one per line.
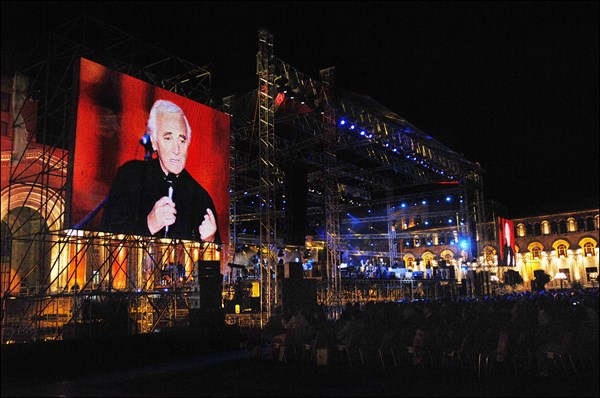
[561, 276]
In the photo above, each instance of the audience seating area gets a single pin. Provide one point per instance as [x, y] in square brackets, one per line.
[538, 334]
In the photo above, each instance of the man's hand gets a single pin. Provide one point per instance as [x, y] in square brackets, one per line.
[162, 214]
[208, 228]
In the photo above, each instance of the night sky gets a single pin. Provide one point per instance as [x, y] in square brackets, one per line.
[510, 85]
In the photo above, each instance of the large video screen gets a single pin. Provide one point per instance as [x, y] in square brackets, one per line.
[146, 161]
[506, 243]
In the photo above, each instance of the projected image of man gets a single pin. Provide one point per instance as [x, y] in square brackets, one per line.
[508, 252]
[159, 196]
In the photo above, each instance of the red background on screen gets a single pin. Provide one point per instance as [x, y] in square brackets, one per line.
[112, 112]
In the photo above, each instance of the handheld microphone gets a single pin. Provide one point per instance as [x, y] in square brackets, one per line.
[170, 178]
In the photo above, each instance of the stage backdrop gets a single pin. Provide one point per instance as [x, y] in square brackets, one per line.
[112, 111]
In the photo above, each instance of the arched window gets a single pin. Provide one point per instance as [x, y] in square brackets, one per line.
[545, 228]
[521, 231]
[589, 224]
[536, 252]
[562, 227]
[554, 227]
[537, 229]
[571, 225]
[561, 250]
[529, 229]
[588, 249]
[580, 224]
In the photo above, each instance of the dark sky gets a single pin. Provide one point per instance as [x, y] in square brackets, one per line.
[511, 85]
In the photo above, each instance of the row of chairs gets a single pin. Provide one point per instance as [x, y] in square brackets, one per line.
[473, 353]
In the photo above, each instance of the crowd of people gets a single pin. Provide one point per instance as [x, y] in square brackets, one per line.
[523, 332]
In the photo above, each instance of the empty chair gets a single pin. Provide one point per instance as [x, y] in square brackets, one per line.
[419, 352]
[564, 355]
[352, 346]
[502, 355]
[388, 345]
[309, 351]
[463, 354]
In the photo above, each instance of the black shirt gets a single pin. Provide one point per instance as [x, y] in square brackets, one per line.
[136, 188]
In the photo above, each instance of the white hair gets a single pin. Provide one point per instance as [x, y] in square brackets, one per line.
[162, 106]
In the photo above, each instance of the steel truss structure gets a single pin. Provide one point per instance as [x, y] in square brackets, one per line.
[59, 283]
[351, 153]
[356, 154]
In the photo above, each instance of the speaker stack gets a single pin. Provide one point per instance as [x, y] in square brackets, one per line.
[294, 290]
[206, 294]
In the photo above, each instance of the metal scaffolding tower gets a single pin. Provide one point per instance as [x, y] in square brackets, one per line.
[330, 181]
[59, 283]
[265, 64]
[356, 152]
[370, 161]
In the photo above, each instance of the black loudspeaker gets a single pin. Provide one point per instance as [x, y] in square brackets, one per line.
[541, 278]
[512, 277]
[477, 280]
[316, 269]
[482, 280]
[208, 269]
[211, 293]
[209, 310]
[538, 273]
[298, 293]
[291, 270]
[296, 190]
[210, 285]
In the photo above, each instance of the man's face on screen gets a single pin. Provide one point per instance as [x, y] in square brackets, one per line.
[171, 142]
